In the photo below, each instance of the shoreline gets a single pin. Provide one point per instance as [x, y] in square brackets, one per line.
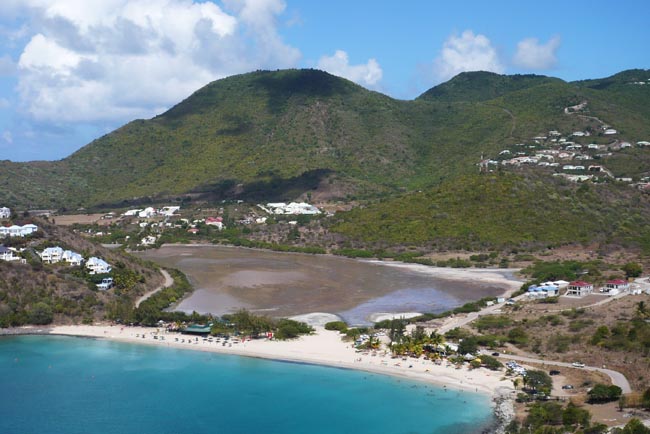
[323, 348]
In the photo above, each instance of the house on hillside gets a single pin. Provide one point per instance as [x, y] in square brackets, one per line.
[52, 255]
[6, 254]
[72, 258]
[579, 288]
[147, 213]
[17, 231]
[168, 211]
[5, 212]
[615, 286]
[215, 221]
[98, 266]
[106, 284]
[543, 291]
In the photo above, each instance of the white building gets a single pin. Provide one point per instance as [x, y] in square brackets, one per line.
[168, 211]
[147, 213]
[579, 289]
[98, 266]
[5, 213]
[106, 284]
[17, 231]
[72, 258]
[52, 255]
[149, 240]
[6, 254]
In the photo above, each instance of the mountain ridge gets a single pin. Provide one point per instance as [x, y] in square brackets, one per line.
[264, 129]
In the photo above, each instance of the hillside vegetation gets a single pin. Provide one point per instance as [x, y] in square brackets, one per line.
[482, 211]
[39, 293]
[276, 135]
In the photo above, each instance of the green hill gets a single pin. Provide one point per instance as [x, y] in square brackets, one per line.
[276, 135]
[483, 86]
[486, 211]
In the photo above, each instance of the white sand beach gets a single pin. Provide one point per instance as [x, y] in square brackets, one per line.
[323, 347]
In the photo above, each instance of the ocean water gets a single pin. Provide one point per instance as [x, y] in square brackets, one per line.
[73, 385]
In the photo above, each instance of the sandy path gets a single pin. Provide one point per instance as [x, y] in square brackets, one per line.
[169, 281]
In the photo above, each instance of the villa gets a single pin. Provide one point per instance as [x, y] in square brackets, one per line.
[615, 286]
[72, 258]
[98, 266]
[52, 255]
[579, 288]
[5, 212]
[17, 231]
[6, 254]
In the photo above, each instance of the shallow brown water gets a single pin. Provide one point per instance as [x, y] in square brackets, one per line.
[285, 284]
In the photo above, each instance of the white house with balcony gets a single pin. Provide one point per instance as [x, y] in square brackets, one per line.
[6, 254]
[98, 266]
[17, 231]
[52, 255]
[72, 258]
[5, 212]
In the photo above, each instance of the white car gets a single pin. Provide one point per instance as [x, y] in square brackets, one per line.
[578, 365]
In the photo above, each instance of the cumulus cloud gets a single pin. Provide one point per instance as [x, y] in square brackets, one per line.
[368, 74]
[467, 52]
[533, 55]
[115, 60]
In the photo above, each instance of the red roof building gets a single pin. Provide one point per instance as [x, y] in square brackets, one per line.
[579, 288]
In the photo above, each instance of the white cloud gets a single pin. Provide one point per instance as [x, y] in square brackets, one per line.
[368, 74]
[467, 52]
[114, 60]
[7, 137]
[533, 55]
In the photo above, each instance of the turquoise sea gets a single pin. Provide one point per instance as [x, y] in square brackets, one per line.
[73, 385]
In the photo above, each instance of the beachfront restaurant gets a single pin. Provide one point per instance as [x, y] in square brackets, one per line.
[197, 329]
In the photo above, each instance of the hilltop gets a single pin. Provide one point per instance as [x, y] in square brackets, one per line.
[277, 135]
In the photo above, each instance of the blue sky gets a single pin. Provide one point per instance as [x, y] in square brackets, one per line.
[73, 70]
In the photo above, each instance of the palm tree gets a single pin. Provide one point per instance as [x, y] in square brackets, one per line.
[642, 309]
[516, 382]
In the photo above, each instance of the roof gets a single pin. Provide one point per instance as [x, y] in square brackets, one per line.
[197, 328]
[580, 283]
[617, 282]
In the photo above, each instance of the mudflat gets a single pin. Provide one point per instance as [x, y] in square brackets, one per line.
[286, 284]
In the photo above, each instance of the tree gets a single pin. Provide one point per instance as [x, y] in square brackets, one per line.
[539, 381]
[632, 269]
[642, 309]
[602, 393]
[634, 426]
[468, 345]
[41, 313]
[516, 382]
[396, 332]
[573, 415]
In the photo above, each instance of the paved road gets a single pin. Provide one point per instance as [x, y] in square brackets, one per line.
[617, 378]
[166, 284]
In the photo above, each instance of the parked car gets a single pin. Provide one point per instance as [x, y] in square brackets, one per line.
[496, 354]
[567, 387]
[578, 365]
[554, 372]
